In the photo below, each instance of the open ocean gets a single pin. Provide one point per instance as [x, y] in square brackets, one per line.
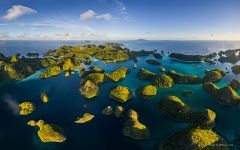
[104, 132]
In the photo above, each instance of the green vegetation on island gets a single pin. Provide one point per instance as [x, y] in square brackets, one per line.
[133, 128]
[68, 65]
[163, 81]
[121, 94]
[97, 78]
[203, 119]
[214, 75]
[235, 84]
[144, 74]
[118, 74]
[118, 112]
[194, 139]
[153, 62]
[175, 108]
[48, 132]
[26, 108]
[192, 58]
[236, 69]
[89, 89]
[50, 72]
[85, 118]
[146, 92]
[225, 95]
[96, 69]
[179, 78]
[162, 69]
[15, 68]
[65, 58]
[44, 97]
[67, 74]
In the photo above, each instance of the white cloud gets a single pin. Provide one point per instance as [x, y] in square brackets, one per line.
[107, 17]
[17, 11]
[88, 15]
[121, 6]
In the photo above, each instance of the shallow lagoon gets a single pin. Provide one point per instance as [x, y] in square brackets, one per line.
[104, 132]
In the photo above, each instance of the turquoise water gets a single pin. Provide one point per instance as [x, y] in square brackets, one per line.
[104, 132]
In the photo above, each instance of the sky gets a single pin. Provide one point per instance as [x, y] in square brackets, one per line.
[119, 19]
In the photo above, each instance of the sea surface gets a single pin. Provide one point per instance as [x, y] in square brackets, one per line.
[105, 132]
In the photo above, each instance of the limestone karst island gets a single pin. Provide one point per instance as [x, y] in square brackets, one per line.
[119, 75]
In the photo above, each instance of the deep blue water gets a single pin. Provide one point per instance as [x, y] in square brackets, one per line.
[104, 132]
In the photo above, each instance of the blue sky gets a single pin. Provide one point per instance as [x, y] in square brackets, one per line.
[120, 19]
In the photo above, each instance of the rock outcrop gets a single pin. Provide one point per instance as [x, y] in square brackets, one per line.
[44, 97]
[108, 110]
[236, 69]
[179, 78]
[163, 81]
[89, 89]
[146, 92]
[48, 132]
[26, 108]
[175, 108]
[214, 75]
[225, 95]
[194, 139]
[121, 94]
[85, 118]
[133, 128]
[153, 62]
[144, 74]
[50, 72]
[118, 74]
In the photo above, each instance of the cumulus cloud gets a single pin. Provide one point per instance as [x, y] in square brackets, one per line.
[17, 11]
[11, 104]
[88, 15]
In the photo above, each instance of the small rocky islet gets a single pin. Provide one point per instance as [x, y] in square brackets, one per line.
[48, 132]
[200, 131]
